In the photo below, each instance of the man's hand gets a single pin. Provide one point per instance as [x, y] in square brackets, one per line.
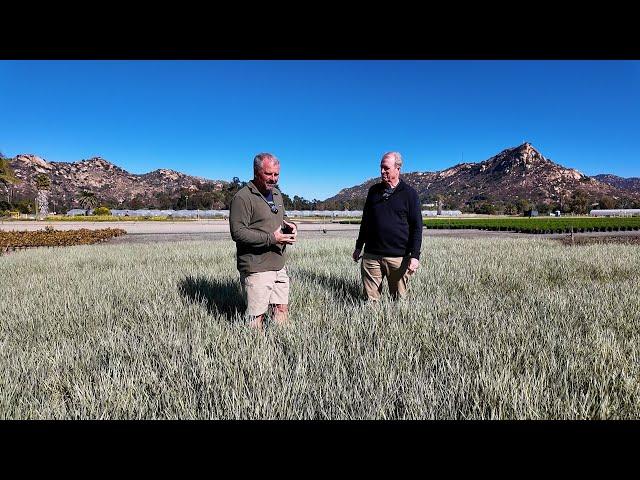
[413, 266]
[291, 226]
[356, 255]
[284, 238]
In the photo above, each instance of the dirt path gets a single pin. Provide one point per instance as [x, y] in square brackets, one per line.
[150, 231]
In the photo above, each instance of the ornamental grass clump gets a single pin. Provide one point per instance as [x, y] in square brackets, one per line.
[491, 329]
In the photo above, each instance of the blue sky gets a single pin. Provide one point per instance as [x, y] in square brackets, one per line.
[329, 122]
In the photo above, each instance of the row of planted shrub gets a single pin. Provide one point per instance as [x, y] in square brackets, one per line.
[534, 225]
[538, 229]
[540, 225]
[111, 218]
[56, 238]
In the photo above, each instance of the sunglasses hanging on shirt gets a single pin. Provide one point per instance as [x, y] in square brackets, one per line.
[387, 193]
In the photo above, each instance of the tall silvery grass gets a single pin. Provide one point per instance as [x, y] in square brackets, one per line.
[501, 328]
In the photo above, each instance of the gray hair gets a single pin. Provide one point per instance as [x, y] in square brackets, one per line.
[260, 158]
[397, 158]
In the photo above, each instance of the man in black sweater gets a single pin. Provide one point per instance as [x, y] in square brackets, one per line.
[390, 231]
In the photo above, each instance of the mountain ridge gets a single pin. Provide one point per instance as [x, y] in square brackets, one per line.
[111, 184]
[516, 174]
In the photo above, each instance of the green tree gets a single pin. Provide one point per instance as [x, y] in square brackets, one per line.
[607, 203]
[486, 208]
[579, 202]
[524, 205]
[543, 208]
[87, 200]
[7, 177]
[43, 184]
[510, 209]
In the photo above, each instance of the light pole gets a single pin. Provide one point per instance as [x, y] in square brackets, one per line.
[186, 202]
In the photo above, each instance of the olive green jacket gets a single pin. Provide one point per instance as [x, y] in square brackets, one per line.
[252, 224]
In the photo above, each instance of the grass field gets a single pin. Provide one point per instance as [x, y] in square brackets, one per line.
[501, 328]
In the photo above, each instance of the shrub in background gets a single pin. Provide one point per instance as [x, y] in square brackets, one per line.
[102, 211]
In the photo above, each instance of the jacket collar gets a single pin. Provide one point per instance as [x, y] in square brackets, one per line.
[254, 189]
[399, 187]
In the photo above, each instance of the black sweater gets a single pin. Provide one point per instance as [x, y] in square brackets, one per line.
[392, 227]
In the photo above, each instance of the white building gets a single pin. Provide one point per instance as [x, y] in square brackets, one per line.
[616, 212]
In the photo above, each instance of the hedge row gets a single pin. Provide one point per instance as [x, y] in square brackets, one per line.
[535, 225]
[540, 225]
[539, 229]
[56, 238]
[111, 218]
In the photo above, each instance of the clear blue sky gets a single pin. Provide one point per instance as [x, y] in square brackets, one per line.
[328, 121]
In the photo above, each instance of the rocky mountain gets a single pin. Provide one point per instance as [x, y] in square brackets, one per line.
[632, 184]
[519, 173]
[111, 184]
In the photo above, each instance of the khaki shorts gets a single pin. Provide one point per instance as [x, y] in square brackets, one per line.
[262, 289]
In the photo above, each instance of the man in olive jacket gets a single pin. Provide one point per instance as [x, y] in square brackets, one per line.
[262, 232]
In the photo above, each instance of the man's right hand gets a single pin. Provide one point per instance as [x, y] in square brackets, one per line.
[284, 238]
[356, 255]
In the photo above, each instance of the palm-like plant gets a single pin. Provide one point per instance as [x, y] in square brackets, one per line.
[43, 184]
[7, 177]
[87, 200]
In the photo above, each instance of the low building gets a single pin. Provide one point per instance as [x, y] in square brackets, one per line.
[616, 212]
[442, 213]
[78, 211]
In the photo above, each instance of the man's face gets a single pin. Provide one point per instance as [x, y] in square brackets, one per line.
[267, 177]
[389, 172]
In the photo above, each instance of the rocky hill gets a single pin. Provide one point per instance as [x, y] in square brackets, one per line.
[111, 184]
[631, 184]
[519, 173]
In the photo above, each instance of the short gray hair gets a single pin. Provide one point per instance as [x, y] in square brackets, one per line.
[397, 158]
[260, 158]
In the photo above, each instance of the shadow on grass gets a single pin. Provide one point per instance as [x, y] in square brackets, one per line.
[347, 289]
[220, 297]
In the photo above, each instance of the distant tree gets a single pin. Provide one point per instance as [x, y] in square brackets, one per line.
[606, 203]
[7, 177]
[87, 200]
[24, 206]
[579, 202]
[43, 184]
[286, 200]
[486, 208]
[510, 209]
[138, 202]
[543, 208]
[524, 205]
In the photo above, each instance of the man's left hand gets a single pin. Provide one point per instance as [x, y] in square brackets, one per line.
[292, 226]
[413, 266]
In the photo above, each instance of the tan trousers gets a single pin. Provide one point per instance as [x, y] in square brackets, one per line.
[375, 268]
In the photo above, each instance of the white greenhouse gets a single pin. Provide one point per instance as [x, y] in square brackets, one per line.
[443, 213]
[616, 212]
